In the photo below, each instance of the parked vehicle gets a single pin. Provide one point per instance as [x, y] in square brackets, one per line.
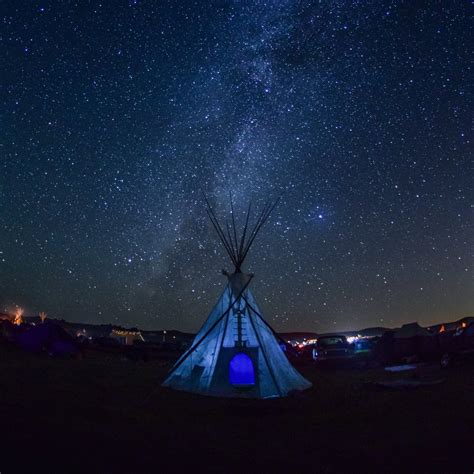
[305, 354]
[332, 348]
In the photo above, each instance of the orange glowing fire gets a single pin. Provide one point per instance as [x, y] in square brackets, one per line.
[442, 328]
[42, 316]
[18, 317]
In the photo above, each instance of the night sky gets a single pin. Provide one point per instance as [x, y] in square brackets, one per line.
[114, 115]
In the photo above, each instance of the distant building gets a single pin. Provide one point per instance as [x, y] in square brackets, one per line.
[126, 336]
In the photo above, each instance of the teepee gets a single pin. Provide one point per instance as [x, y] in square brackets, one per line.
[236, 353]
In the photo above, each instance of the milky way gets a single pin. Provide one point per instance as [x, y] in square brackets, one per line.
[116, 115]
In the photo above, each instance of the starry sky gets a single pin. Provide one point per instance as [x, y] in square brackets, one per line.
[115, 115]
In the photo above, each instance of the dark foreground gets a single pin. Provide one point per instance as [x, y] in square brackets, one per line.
[104, 414]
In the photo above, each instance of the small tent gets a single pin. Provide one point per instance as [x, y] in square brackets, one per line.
[48, 336]
[407, 331]
[236, 352]
[413, 340]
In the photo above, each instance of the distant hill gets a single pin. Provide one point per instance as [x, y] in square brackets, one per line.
[297, 336]
[367, 332]
[104, 330]
[372, 332]
[167, 335]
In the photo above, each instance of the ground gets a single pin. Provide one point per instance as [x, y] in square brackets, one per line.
[106, 414]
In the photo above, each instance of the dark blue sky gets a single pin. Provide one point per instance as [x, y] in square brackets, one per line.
[114, 115]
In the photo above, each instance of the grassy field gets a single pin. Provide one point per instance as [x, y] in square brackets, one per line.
[104, 414]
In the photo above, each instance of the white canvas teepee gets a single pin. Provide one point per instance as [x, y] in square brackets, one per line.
[236, 353]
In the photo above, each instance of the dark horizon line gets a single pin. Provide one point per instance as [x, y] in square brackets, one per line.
[457, 321]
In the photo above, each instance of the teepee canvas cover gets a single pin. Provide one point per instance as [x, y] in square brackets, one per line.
[235, 353]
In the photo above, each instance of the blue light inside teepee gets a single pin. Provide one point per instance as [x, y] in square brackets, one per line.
[241, 371]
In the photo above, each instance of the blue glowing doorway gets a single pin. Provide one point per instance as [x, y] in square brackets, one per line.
[241, 370]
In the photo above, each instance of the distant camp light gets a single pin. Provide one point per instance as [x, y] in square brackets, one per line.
[18, 316]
